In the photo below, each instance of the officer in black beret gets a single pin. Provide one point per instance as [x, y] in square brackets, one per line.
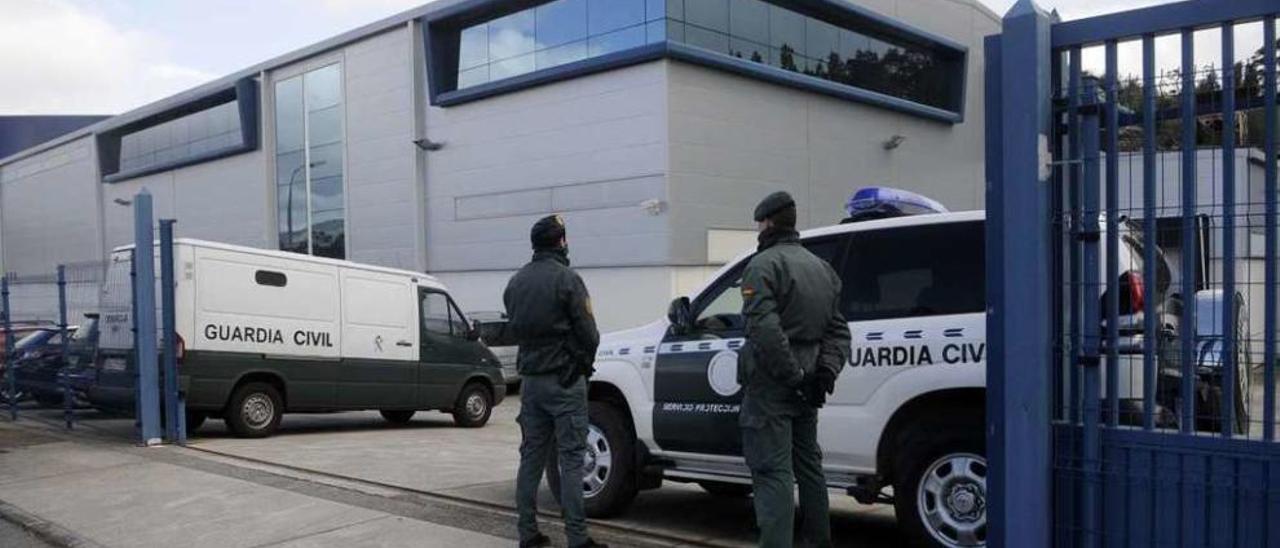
[797, 343]
[550, 315]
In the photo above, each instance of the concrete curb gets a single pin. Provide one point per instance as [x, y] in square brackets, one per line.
[47, 531]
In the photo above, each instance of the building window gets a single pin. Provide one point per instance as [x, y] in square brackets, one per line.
[309, 163]
[194, 135]
[765, 33]
[220, 124]
[820, 45]
[554, 34]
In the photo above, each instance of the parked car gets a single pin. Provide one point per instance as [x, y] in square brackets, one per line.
[33, 342]
[493, 331]
[905, 424]
[38, 369]
[263, 333]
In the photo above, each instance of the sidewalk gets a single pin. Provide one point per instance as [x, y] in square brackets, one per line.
[90, 493]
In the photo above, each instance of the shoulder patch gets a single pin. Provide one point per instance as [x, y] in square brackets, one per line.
[748, 292]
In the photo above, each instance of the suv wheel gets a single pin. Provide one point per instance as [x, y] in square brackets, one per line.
[941, 493]
[254, 410]
[473, 407]
[608, 474]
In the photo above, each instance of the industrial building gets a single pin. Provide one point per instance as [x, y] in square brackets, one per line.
[433, 139]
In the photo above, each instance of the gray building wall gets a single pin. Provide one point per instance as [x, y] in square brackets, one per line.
[592, 149]
[49, 209]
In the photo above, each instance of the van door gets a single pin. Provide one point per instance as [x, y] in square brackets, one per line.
[446, 354]
[696, 391]
[379, 337]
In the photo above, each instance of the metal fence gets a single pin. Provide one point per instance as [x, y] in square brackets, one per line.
[1156, 176]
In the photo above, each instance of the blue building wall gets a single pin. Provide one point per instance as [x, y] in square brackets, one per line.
[18, 133]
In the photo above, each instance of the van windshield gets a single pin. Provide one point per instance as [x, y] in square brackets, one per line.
[116, 316]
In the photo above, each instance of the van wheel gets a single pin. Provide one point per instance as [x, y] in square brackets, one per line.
[473, 407]
[397, 417]
[608, 477]
[195, 420]
[940, 496]
[725, 490]
[254, 410]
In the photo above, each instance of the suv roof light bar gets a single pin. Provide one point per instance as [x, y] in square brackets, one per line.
[873, 203]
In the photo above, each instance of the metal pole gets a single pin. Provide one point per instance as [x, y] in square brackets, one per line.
[1269, 293]
[145, 320]
[1189, 232]
[1019, 283]
[1090, 356]
[9, 379]
[1229, 231]
[67, 402]
[1112, 284]
[1150, 327]
[172, 405]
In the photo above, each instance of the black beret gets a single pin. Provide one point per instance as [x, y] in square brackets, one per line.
[772, 204]
[547, 232]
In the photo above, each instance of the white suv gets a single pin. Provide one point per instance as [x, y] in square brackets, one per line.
[908, 410]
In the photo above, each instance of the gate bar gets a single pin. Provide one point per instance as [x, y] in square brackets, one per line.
[1074, 88]
[1188, 230]
[61, 377]
[1163, 19]
[169, 368]
[1228, 360]
[1112, 284]
[1090, 360]
[1149, 229]
[1269, 293]
[9, 378]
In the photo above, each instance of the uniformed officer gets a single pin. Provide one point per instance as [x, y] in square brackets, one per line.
[550, 315]
[799, 342]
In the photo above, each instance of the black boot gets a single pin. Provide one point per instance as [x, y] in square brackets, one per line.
[537, 542]
[591, 543]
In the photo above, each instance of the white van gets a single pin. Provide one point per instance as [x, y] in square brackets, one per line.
[261, 333]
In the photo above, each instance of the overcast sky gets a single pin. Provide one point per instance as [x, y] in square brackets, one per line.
[108, 56]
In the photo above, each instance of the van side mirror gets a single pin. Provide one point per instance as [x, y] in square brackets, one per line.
[680, 314]
[473, 333]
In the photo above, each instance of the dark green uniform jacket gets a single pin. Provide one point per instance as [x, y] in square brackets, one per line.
[791, 301]
[552, 318]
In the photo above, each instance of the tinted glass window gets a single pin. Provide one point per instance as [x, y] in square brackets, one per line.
[192, 136]
[310, 172]
[915, 271]
[779, 37]
[724, 302]
[554, 34]
[440, 317]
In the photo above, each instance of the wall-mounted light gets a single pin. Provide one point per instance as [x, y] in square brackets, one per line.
[653, 206]
[428, 145]
[894, 142]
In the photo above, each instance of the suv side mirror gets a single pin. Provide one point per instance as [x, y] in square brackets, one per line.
[680, 314]
[473, 333]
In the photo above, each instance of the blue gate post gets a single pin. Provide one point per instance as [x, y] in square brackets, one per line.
[1019, 283]
[67, 399]
[9, 379]
[145, 319]
[174, 431]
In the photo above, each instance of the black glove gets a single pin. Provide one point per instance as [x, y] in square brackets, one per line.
[818, 385]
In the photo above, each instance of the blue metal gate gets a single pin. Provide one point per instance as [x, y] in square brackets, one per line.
[1132, 210]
